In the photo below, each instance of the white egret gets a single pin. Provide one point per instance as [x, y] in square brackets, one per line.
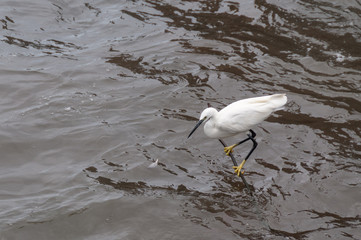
[239, 117]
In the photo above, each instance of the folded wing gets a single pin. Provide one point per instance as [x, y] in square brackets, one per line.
[244, 114]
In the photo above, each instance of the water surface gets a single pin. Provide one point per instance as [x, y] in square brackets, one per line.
[94, 92]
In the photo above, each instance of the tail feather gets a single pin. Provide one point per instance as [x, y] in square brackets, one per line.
[279, 100]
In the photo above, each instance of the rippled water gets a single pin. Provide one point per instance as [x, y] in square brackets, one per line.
[93, 92]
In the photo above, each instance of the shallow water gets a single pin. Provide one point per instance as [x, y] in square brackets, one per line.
[92, 93]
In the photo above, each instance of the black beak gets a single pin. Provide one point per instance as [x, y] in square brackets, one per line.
[195, 128]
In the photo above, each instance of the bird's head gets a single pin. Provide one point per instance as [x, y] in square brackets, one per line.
[207, 114]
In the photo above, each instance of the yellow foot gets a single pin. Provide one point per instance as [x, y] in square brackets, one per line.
[238, 169]
[229, 150]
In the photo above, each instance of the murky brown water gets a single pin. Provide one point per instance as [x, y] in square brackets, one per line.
[93, 92]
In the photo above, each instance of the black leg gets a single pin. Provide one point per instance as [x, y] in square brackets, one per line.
[251, 137]
[252, 133]
[235, 164]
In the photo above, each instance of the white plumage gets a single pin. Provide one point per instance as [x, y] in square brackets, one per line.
[240, 116]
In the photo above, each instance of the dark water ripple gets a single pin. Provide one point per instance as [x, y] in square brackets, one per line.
[92, 93]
